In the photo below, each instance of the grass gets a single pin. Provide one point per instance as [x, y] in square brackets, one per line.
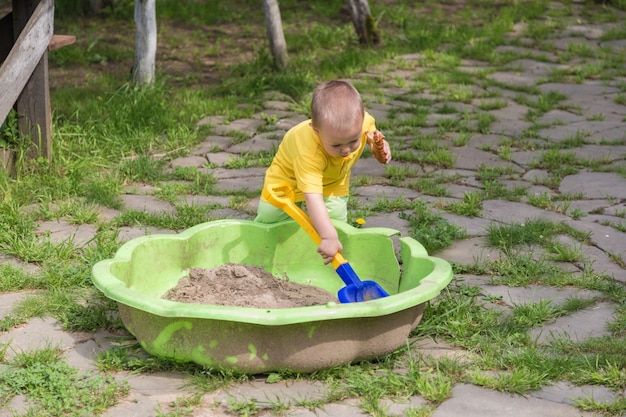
[112, 137]
[57, 389]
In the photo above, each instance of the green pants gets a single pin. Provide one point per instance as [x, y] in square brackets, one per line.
[337, 210]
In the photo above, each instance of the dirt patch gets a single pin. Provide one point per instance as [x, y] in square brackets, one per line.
[245, 286]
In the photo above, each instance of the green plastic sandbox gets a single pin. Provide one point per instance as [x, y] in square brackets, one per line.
[257, 340]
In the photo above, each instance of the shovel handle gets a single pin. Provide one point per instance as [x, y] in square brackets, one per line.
[282, 196]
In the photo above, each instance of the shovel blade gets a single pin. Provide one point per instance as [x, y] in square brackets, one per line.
[368, 290]
[355, 289]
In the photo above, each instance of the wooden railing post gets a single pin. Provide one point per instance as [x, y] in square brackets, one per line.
[33, 104]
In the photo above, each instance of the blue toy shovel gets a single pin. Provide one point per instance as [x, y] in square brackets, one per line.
[282, 196]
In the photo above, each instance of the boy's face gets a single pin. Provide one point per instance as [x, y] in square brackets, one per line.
[339, 145]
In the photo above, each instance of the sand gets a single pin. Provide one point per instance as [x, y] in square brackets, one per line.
[245, 286]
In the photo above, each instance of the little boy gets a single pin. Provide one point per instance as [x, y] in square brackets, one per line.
[316, 156]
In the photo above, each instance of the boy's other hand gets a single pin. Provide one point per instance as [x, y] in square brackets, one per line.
[328, 248]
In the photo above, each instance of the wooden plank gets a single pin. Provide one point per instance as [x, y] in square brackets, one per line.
[59, 41]
[28, 63]
[25, 55]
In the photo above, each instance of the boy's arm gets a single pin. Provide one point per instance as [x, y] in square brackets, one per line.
[318, 213]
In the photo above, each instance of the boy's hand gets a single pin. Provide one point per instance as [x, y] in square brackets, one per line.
[379, 146]
[328, 248]
[329, 245]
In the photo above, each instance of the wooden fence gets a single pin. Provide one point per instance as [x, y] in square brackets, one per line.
[26, 35]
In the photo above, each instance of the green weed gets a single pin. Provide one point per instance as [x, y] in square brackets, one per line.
[470, 205]
[430, 229]
[57, 389]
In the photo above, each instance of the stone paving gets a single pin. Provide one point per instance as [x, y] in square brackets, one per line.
[600, 198]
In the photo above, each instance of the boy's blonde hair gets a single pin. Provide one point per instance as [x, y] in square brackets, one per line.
[337, 106]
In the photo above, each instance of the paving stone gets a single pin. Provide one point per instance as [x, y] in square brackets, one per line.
[255, 145]
[536, 191]
[588, 31]
[463, 173]
[601, 263]
[618, 210]
[565, 44]
[606, 238]
[458, 191]
[212, 144]
[38, 333]
[398, 407]
[372, 193]
[10, 299]
[345, 408]
[617, 44]
[518, 50]
[513, 185]
[147, 203]
[578, 326]
[587, 129]
[525, 159]
[468, 181]
[380, 115]
[189, 161]
[471, 158]
[473, 226]
[514, 296]
[107, 214]
[491, 140]
[530, 66]
[389, 220]
[156, 384]
[141, 405]
[589, 206]
[286, 392]
[601, 152]
[250, 183]
[470, 251]
[221, 173]
[18, 405]
[584, 91]
[516, 128]
[427, 347]
[59, 231]
[84, 356]
[472, 280]
[370, 167]
[559, 117]
[220, 159]
[204, 200]
[289, 122]
[472, 401]
[15, 262]
[140, 189]
[276, 105]
[211, 120]
[512, 212]
[595, 185]
[565, 393]
[515, 78]
[245, 126]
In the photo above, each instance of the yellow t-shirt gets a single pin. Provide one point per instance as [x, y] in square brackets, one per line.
[302, 162]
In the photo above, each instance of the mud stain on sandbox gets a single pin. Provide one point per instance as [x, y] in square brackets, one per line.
[241, 285]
